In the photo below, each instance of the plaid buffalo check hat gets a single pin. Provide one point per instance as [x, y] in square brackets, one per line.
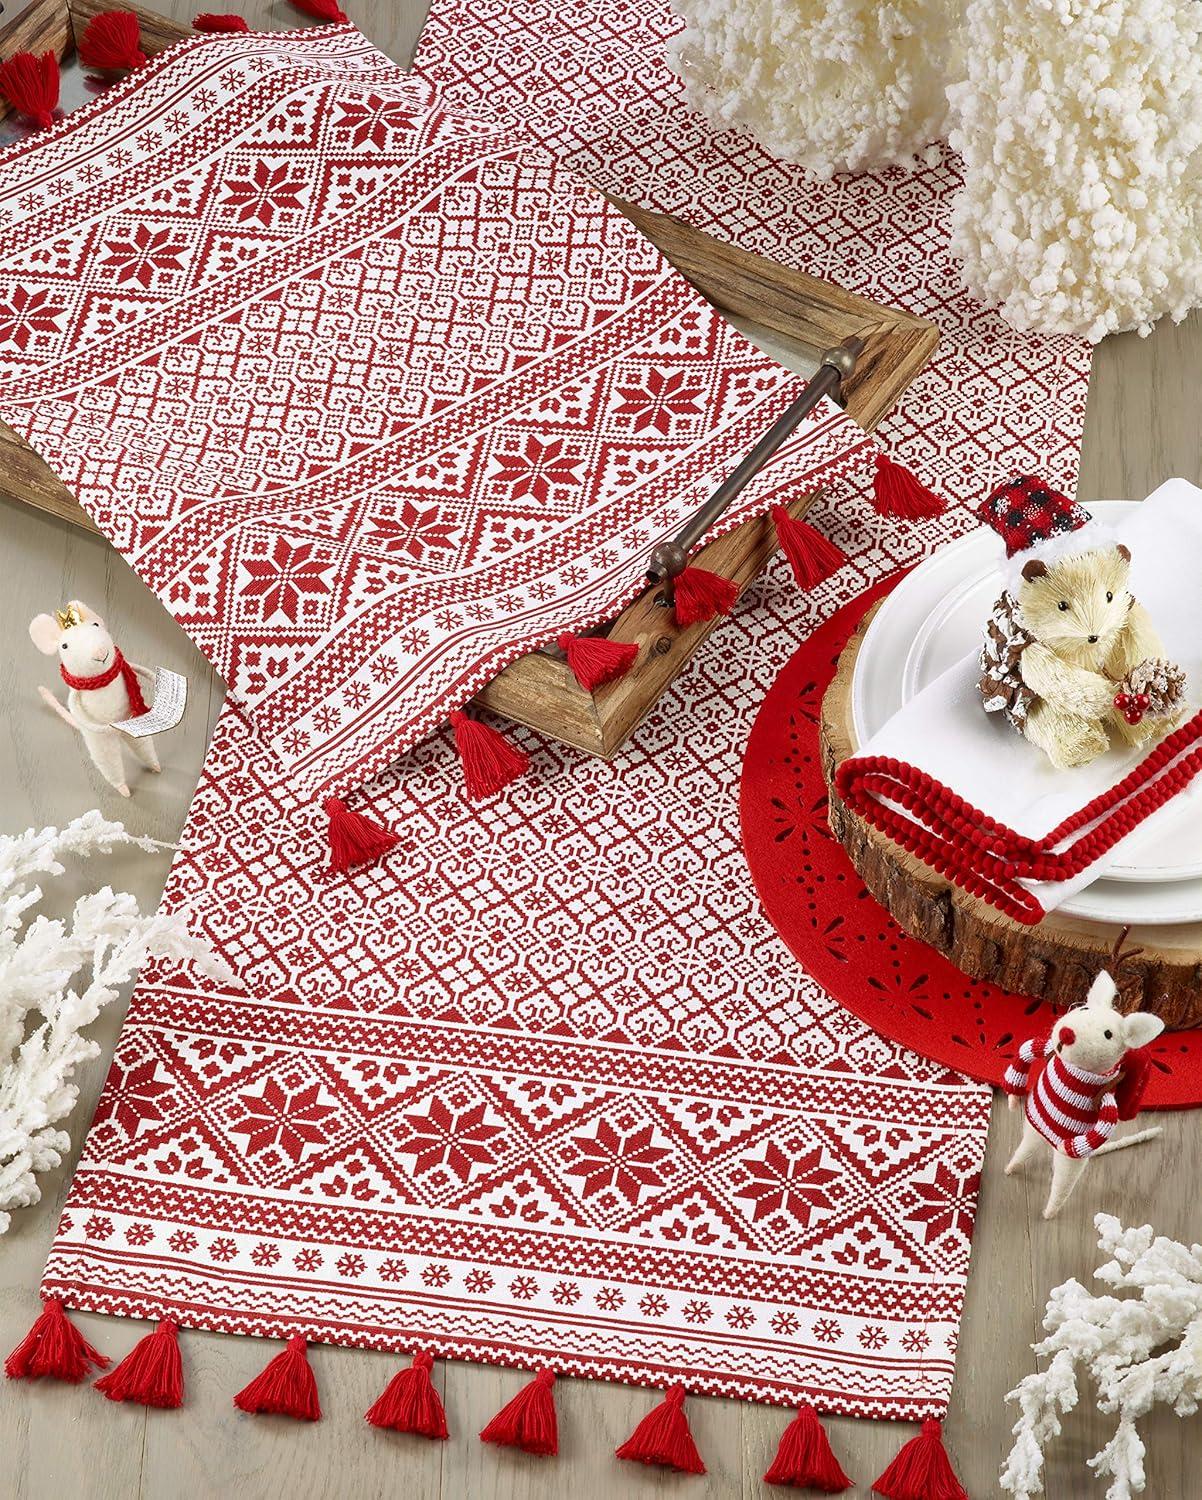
[1036, 521]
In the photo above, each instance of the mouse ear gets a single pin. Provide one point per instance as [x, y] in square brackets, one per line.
[1140, 1028]
[85, 612]
[45, 633]
[1102, 992]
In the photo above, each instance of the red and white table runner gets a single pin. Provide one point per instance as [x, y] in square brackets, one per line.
[374, 394]
[544, 1084]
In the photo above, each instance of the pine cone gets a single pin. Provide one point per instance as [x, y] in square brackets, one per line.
[1161, 682]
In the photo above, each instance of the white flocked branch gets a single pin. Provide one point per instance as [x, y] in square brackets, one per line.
[55, 976]
[1135, 1350]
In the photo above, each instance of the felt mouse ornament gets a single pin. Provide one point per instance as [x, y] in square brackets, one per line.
[102, 688]
[1092, 1076]
[1070, 657]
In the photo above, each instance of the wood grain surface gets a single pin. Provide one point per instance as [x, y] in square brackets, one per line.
[62, 1441]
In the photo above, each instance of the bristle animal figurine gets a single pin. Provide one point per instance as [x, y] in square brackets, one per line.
[1093, 1076]
[1070, 657]
[102, 688]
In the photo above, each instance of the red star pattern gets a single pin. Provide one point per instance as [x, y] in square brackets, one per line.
[290, 1121]
[282, 579]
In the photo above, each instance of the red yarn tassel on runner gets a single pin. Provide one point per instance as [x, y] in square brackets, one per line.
[805, 1460]
[528, 1421]
[354, 839]
[699, 595]
[811, 556]
[321, 10]
[30, 84]
[921, 1470]
[286, 1388]
[896, 492]
[217, 23]
[53, 1347]
[663, 1437]
[489, 761]
[411, 1403]
[110, 41]
[595, 661]
[152, 1373]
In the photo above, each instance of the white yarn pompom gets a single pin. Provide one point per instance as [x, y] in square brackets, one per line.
[835, 85]
[1080, 126]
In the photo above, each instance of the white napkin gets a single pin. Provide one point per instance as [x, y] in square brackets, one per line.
[945, 732]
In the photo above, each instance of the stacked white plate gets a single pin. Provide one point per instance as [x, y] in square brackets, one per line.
[934, 617]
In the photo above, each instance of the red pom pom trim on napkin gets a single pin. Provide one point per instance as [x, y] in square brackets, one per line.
[921, 1470]
[594, 661]
[110, 41]
[811, 556]
[896, 492]
[53, 1347]
[322, 10]
[217, 24]
[528, 1421]
[699, 595]
[411, 1403]
[663, 1437]
[354, 839]
[152, 1373]
[30, 85]
[805, 1460]
[489, 761]
[286, 1388]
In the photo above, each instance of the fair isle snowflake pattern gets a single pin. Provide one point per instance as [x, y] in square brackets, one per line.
[374, 394]
[591, 80]
[543, 1085]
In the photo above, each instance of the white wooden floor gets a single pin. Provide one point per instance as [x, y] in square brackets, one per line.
[62, 1441]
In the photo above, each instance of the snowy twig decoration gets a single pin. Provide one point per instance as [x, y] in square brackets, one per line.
[1137, 1350]
[64, 971]
[837, 85]
[1080, 127]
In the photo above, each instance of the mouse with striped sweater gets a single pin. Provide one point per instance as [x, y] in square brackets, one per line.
[1091, 1073]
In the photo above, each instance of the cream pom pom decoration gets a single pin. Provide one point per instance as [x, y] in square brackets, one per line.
[836, 85]
[1080, 127]
[1078, 124]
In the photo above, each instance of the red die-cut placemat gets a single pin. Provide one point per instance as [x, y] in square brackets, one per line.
[814, 898]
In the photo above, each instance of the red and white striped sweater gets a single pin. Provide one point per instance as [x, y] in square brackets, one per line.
[1076, 1111]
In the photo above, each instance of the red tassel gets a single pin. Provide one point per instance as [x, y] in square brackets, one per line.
[30, 84]
[528, 1421]
[354, 839]
[804, 1460]
[896, 492]
[322, 10]
[595, 661]
[811, 556]
[921, 1470]
[209, 22]
[489, 761]
[54, 1347]
[411, 1403]
[286, 1388]
[151, 1373]
[110, 41]
[699, 595]
[663, 1436]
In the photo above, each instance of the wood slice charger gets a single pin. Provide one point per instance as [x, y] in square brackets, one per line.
[1055, 961]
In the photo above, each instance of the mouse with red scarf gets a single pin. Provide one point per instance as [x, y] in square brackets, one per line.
[102, 688]
[1092, 1074]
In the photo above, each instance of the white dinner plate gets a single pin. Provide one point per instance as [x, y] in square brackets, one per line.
[934, 617]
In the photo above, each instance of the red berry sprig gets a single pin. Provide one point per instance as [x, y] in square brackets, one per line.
[1132, 706]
